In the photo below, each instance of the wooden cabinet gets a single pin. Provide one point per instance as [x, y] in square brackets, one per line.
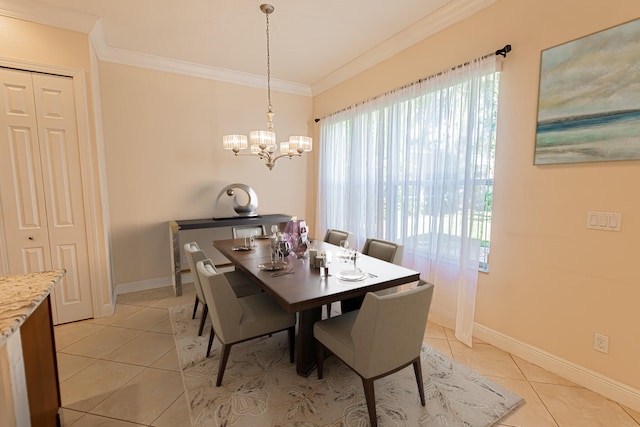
[40, 366]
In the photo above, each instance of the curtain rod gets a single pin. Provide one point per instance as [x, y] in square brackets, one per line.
[503, 52]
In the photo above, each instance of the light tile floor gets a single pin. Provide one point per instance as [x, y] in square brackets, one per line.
[123, 371]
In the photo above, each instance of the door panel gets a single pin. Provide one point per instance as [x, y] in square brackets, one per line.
[35, 259]
[70, 291]
[60, 160]
[23, 155]
[21, 190]
[55, 158]
[46, 187]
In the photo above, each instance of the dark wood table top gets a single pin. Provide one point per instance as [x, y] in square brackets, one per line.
[304, 289]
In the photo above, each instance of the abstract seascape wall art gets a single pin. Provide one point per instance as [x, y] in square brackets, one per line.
[589, 100]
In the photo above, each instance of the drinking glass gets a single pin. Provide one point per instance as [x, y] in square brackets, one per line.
[275, 229]
[324, 267]
[248, 241]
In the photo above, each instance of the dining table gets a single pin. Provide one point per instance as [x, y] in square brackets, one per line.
[304, 291]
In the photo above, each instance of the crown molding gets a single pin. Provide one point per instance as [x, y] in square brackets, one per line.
[158, 63]
[447, 15]
[452, 12]
[28, 10]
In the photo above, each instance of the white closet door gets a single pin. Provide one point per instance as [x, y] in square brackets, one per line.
[21, 190]
[41, 188]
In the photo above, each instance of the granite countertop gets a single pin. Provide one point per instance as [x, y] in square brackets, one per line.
[20, 295]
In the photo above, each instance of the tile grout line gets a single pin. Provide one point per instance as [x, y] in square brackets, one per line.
[534, 390]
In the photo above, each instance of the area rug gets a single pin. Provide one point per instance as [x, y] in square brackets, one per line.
[261, 388]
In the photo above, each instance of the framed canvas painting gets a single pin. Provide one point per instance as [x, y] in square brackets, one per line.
[589, 99]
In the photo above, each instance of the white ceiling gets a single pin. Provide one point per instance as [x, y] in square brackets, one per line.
[314, 45]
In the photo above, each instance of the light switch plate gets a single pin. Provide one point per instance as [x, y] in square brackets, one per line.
[608, 221]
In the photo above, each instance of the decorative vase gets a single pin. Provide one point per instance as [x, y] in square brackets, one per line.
[297, 234]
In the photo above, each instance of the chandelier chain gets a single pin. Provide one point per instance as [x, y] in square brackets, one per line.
[270, 107]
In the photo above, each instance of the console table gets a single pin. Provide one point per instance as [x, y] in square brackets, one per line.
[175, 226]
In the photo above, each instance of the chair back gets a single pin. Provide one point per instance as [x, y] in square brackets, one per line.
[194, 254]
[384, 250]
[247, 230]
[225, 311]
[389, 330]
[335, 236]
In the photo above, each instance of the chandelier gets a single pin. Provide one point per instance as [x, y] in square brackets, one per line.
[263, 142]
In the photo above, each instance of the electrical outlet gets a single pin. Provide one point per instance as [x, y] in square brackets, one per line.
[601, 343]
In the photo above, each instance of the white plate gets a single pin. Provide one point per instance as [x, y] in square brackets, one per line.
[273, 266]
[351, 275]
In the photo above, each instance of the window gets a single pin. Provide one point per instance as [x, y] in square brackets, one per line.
[416, 166]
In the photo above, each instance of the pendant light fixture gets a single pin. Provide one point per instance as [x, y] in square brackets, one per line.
[262, 143]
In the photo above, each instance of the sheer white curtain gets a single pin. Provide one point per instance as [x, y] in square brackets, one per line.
[415, 166]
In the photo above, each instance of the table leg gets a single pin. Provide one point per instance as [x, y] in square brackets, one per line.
[176, 268]
[305, 343]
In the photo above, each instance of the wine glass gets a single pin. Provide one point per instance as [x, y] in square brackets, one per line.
[344, 245]
[274, 229]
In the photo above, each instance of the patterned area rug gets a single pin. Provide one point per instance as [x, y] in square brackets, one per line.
[260, 388]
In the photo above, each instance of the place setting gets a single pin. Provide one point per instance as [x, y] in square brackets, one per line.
[249, 245]
[274, 266]
[280, 249]
[347, 255]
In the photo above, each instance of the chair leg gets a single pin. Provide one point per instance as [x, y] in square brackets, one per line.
[417, 368]
[319, 358]
[226, 348]
[195, 307]
[205, 311]
[292, 343]
[211, 335]
[370, 396]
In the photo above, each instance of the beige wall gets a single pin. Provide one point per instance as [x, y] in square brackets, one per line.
[552, 283]
[163, 143]
[27, 41]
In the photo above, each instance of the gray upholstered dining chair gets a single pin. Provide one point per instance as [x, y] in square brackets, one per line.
[247, 230]
[336, 236]
[236, 319]
[385, 251]
[241, 284]
[381, 338]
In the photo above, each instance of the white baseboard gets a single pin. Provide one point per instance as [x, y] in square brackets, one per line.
[594, 381]
[160, 282]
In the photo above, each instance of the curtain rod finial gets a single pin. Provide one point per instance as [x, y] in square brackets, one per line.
[506, 49]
